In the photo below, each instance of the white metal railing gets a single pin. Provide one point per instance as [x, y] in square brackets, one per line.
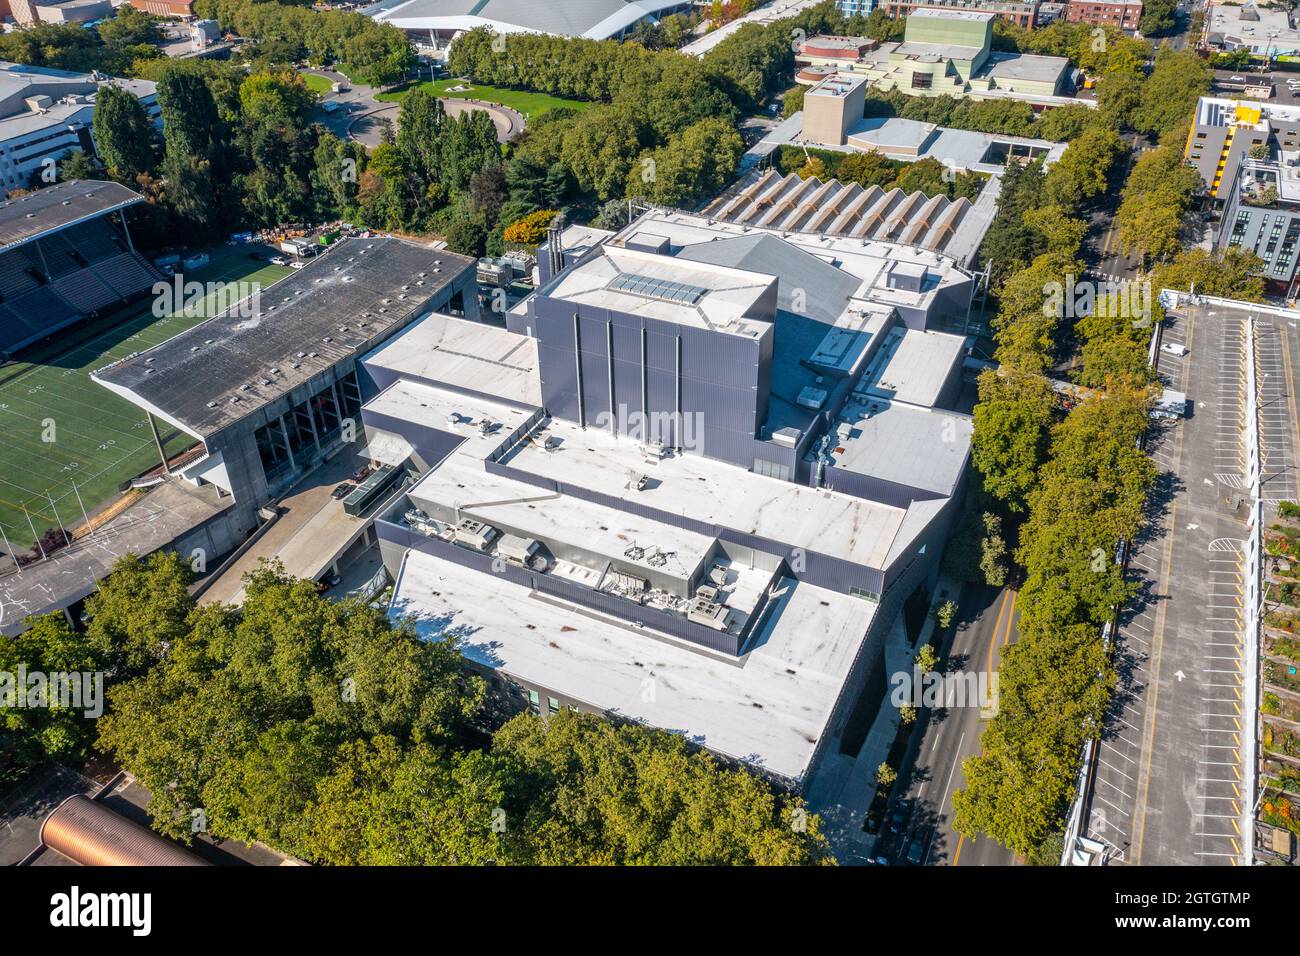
[1251, 604]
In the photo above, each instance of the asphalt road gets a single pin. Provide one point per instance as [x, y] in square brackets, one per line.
[1101, 247]
[931, 771]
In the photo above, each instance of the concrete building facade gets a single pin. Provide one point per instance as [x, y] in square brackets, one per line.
[270, 389]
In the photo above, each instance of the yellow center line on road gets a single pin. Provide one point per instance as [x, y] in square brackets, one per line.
[1008, 603]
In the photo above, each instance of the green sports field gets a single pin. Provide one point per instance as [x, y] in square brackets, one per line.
[531, 105]
[99, 440]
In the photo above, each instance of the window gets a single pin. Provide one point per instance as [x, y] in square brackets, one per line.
[552, 705]
[872, 596]
[534, 701]
[922, 81]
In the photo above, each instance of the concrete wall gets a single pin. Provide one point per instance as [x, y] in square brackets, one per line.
[248, 479]
[827, 116]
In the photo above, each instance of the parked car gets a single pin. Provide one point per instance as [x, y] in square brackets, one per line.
[916, 849]
[327, 582]
[279, 261]
[1174, 348]
[341, 491]
[898, 818]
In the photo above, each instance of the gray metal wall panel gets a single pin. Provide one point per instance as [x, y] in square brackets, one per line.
[626, 610]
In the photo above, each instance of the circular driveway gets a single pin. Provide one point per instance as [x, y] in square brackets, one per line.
[367, 127]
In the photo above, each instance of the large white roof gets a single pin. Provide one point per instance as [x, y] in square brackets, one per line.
[769, 708]
[592, 19]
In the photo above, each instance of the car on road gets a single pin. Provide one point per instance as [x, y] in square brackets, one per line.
[1236, 79]
[898, 819]
[279, 261]
[916, 849]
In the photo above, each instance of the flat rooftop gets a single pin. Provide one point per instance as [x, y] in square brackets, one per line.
[948, 13]
[918, 447]
[463, 484]
[864, 263]
[935, 52]
[644, 283]
[913, 366]
[343, 303]
[837, 85]
[463, 354]
[715, 493]
[26, 217]
[434, 407]
[1024, 66]
[957, 148]
[769, 708]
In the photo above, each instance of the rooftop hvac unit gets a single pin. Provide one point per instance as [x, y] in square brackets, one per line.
[708, 613]
[515, 548]
[476, 534]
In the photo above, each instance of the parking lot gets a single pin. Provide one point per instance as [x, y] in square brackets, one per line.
[1169, 784]
[1234, 82]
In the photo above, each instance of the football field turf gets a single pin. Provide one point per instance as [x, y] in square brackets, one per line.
[63, 435]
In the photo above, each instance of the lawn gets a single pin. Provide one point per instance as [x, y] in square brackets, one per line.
[317, 83]
[529, 104]
[99, 440]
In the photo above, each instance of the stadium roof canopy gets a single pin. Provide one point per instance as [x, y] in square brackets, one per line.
[341, 304]
[592, 19]
[30, 216]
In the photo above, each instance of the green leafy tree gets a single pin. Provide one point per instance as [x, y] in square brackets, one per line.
[592, 792]
[1011, 434]
[243, 715]
[123, 134]
[29, 735]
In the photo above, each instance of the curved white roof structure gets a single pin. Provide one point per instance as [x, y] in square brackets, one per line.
[591, 19]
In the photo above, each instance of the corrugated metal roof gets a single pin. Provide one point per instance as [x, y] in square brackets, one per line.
[836, 208]
[89, 833]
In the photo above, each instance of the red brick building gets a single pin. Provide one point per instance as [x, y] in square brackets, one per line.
[166, 8]
[1020, 12]
[1125, 14]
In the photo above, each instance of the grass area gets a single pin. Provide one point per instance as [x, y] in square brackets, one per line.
[317, 83]
[100, 440]
[525, 102]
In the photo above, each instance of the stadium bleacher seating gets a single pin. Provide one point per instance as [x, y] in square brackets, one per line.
[66, 275]
[16, 274]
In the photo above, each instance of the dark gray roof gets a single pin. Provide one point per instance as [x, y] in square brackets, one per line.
[825, 289]
[54, 207]
[341, 304]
